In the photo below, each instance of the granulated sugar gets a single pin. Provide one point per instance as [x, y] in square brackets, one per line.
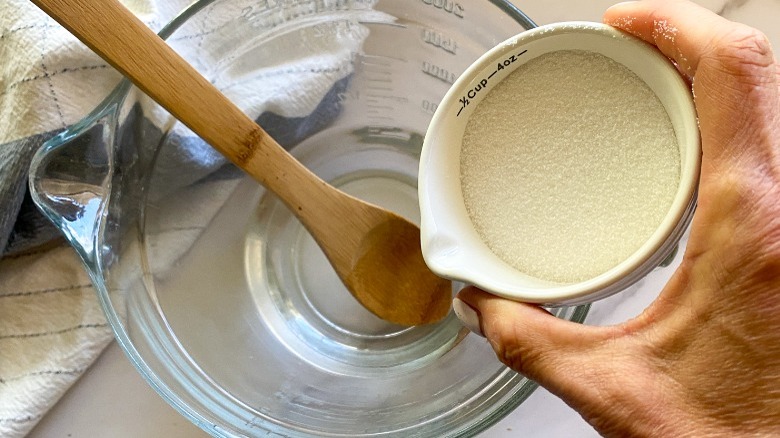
[568, 166]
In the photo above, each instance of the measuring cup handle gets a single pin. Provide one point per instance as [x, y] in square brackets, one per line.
[70, 179]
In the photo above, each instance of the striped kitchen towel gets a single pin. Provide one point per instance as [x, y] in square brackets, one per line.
[51, 325]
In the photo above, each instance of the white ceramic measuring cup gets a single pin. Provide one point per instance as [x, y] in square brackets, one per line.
[451, 245]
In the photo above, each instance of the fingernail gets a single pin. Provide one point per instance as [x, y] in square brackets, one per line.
[467, 316]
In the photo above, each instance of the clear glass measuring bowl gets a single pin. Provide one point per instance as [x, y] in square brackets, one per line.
[220, 299]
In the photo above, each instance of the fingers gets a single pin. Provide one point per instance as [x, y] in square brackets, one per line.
[687, 33]
[609, 375]
[556, 353]
[733, 70]
[736, 86]
[659, 23]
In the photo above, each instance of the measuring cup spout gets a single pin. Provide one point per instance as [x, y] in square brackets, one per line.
[70, 179]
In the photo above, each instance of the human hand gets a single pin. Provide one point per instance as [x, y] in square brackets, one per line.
[704, 358]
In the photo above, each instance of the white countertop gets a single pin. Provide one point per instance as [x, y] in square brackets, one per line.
[112, 400]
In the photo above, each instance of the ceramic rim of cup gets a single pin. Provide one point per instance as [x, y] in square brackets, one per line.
[451, 246]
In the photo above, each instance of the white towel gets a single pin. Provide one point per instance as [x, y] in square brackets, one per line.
[51, 326]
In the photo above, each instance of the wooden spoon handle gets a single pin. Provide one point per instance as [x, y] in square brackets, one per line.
[141, 55]
[376, 253]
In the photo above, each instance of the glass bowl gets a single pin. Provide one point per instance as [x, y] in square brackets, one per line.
[216, 293]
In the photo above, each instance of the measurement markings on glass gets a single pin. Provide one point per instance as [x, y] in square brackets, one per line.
[380, 97]
[429, 107]
[439, 73]
[437, 39]
[449, 6]
[270, 14]
[379, 105]
[482, 85]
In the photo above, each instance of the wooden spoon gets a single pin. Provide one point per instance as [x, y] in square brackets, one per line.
[375, 252]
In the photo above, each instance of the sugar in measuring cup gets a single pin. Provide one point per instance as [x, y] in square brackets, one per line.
[561, 167]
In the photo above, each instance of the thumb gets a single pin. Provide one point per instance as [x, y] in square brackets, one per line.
[735, 76]
[571, 360]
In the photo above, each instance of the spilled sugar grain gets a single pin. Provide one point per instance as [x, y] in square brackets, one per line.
[568, 166]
